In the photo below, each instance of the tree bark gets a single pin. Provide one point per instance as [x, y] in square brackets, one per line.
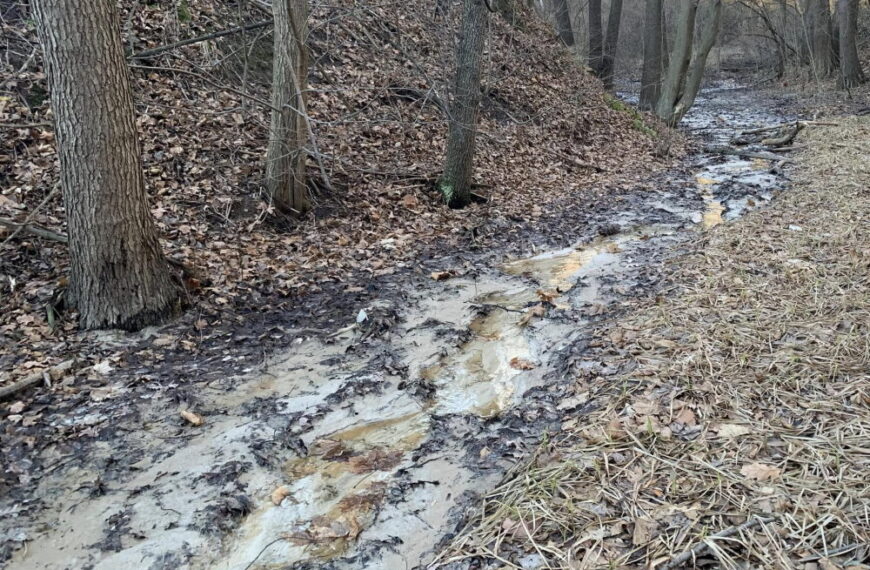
[596, 38]
[819, 36]
[611, 42]
[288, 134]
[679, 61]
[653, 63]
[851, 74]
[455, 182]
[563, 22]
[699, 62]
[119, 277]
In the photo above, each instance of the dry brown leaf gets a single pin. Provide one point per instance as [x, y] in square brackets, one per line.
[192, 418]
[687, 417]
[443, 275]
[547, 295]
[760, 472]
[535, 311]
[279, 494]
[644, 531]
[518, 363]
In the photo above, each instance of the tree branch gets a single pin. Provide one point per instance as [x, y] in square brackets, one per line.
[203, 38]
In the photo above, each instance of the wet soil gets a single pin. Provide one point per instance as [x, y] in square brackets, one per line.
[364, 443]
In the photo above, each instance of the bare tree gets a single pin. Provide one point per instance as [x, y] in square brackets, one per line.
[119, 277]
[288, 134]
[653, 60]
[455, 182]
[819, 37]
[851, 74]
[687, 62]
[563, 22]
[611, 41]
[596, 38]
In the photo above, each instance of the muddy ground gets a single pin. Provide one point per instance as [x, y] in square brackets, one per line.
[364, 440]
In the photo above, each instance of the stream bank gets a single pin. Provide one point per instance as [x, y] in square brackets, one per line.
[366, 450]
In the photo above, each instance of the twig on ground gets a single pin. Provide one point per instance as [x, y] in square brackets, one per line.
[702, 547]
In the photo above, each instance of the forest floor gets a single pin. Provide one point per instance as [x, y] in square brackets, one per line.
[393, 423]
[733, 431]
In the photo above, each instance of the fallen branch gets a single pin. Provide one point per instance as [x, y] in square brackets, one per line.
[786, 138]
[760, 130]
[764, 155]
[203, 38]
[31, 215]
[25, 125]
[702, 547]
[34, 229]
[36, 378]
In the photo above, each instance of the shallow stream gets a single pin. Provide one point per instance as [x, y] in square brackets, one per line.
[367, 461]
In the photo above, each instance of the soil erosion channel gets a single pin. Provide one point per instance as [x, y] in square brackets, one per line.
[335, 456]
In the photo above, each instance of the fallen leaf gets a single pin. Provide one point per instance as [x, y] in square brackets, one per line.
[536, 311]
[16, 408]
[686, 417]
[644, 531]
[518, 363]
[547, 295]
[192, 418]
[443, 275]
[410, 201]
[760, 471]
[279, 494]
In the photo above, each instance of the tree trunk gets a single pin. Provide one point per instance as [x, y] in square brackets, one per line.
[563, 22]
[119, 277]
[608, 63]
[679, 61]
[455, 183]
[699, 62]
[819, 33]
[596, 38]
[288, 134]
[851, 74]
[651, 77]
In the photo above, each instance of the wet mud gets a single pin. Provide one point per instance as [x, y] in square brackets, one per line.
[365, 449]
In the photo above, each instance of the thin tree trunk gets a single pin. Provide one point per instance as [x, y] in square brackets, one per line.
[851, 74]
[596, 38]
[119, 277]
[288, 134]
[563, 22]
[699, 62]
[651, 77]
[608, 64]
[819, 32]
[455, 183]
[679, 61]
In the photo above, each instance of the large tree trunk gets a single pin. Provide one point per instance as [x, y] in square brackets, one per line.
[563, 22]
[851, 74]
[455, 183]
[288, 134]
[119, 277]
[596, 38]
[699, 62]
[608, 62]
[819, 35]
[653, 63]
[680, 59]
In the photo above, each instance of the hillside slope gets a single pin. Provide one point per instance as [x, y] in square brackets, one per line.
[379, 84]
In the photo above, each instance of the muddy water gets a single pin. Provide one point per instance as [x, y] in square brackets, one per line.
[366, 459]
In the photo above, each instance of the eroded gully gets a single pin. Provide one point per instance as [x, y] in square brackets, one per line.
[332, 456]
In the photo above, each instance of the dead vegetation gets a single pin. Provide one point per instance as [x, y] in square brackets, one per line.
[734, 431]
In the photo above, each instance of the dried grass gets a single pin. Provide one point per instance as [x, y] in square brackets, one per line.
[742, 436]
